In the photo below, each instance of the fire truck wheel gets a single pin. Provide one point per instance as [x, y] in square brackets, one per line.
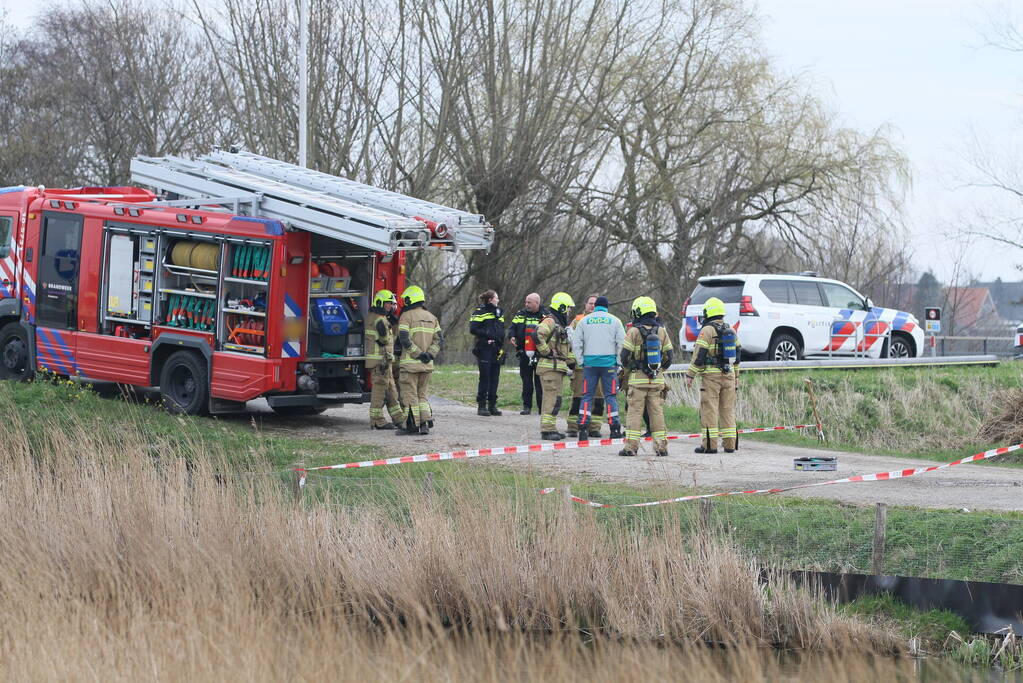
[184, 384]
[299, 410]
[14, 361]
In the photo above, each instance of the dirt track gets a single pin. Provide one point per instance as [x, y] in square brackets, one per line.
[759, 464]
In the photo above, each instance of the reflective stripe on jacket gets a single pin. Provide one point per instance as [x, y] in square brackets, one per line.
[553, 345]
[421, 330]
[705, 360]
[635, 347]
[379, 340]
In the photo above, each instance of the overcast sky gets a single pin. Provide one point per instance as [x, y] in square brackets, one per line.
[914, 65]
[917, 66]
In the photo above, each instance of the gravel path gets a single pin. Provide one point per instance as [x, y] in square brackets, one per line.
[758, 464]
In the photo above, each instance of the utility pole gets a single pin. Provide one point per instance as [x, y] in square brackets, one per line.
[303, 81]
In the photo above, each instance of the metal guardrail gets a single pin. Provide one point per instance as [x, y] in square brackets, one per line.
[857, 363]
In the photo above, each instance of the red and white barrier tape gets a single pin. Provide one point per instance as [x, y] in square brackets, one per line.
[879, 476]
[514, 450]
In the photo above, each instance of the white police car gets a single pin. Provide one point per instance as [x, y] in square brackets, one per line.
[786, 317]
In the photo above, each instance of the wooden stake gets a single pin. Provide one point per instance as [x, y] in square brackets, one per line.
[880, 528]
[298, 481]
[816, 415]
[566, 499]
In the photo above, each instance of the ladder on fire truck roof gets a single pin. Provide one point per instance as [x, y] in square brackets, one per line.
[316, 202]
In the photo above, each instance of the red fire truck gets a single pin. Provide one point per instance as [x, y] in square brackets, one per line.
[236, 277]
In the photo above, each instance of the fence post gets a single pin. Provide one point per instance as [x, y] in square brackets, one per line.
[880, 525]
[298, 481]
[705, 510]
[984, 346]
[566, 499]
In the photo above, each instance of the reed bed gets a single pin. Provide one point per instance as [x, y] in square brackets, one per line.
[122, 560]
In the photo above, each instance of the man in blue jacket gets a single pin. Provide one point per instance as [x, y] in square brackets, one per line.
[597, 342]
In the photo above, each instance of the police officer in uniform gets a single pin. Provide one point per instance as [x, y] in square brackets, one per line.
[554, 347]
[380, 338]
[419, 336]
[719, 378]
[647, 352]
[487, 325]
[520, 333]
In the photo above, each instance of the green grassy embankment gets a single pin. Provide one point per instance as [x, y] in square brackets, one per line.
[46, 418]
[787, 532]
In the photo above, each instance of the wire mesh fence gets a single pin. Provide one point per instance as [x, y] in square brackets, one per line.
[786, 533]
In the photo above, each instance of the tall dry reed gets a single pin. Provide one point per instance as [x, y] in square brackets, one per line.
[122, 560]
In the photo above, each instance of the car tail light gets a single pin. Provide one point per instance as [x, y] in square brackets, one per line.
[685, 306]
[746, 306]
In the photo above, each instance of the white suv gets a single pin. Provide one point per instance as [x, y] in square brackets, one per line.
[786, 317]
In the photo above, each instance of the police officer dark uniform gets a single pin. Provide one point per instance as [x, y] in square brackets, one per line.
[520, 333]
[487, 325]
[716, 361]
[381, 333]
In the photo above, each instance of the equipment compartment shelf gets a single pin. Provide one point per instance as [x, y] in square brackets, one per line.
[201, 295]
[242, 311]
[334, 295]
[130, 321]
[191, 272]
[244, 348]
[246, 281]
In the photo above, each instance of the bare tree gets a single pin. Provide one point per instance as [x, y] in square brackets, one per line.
[719, 159]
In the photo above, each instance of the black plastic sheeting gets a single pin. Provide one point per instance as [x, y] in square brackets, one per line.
[987, 607]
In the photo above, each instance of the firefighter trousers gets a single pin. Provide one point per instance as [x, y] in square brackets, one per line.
[384, 394]
[552, 382]
[414, 404]
[717, 409]
[648, 399]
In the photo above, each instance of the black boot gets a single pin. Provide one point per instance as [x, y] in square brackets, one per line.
[701, 449]
[525, 411]
[493, 410]
[423, 429]
[552, 436]
[482, 410]
[616, 430]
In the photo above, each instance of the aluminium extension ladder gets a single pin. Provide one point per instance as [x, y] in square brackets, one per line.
[316, 202]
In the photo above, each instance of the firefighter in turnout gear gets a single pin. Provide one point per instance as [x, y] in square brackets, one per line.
[647, 352]
[716, 361]
[554, 347]
[380, 337]
[487, 325]
[419, 337]
[596, 420]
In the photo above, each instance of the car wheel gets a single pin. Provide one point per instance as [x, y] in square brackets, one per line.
[185, 385]
[784, 347]
[14, 357]
[899, 347]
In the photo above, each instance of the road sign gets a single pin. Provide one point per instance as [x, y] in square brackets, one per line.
[932, 320]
